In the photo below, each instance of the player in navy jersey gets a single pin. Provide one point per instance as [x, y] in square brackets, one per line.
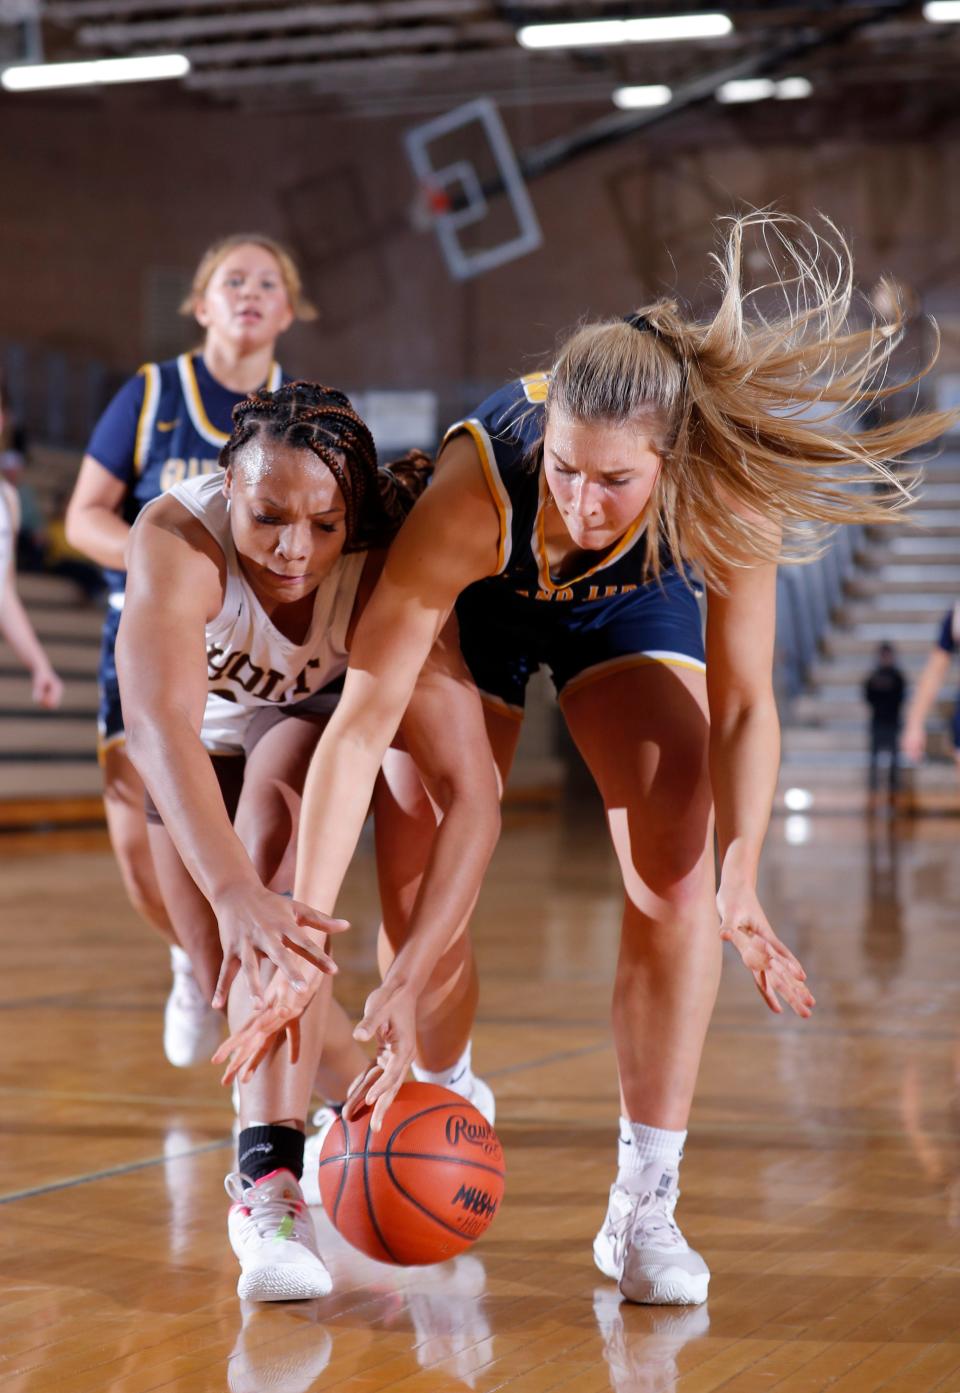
[936, 668]
[167, 424]
[570, 521]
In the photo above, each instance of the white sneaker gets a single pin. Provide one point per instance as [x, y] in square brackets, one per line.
[480, 1094]
[641, 1247]
[191, 1027]
[323, 1120]
[272, 1234]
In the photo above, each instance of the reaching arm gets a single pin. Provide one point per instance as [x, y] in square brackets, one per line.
[744, 759]
[174, 587]
[449, 540]
[443, 729]
[93, 524]
[16, 627]
[928, 689]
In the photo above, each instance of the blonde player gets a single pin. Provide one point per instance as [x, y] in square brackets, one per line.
[569, 520]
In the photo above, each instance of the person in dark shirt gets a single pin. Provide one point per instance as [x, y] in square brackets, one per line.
[884, 692]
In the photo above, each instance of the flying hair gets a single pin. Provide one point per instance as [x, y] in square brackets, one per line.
[306, 416]
[757, 413]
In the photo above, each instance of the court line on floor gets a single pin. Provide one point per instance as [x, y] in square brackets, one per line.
[74, 1180]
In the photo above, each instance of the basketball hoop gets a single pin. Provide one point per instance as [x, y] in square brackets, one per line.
[432, 201]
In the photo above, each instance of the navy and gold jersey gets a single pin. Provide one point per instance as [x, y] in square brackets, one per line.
[603, 621]
[507, 430]
[167, 424]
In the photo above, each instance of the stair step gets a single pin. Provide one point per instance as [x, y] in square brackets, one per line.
[27, 737]
[54, 625]
[868, 583]
[929, 615]
[836, 643]
[881, 628]
[50, 780]
[845, 675]
[914, 549]
[918, 605]
[38, 589]
[79, 695]
[804, 740]
[931, 573]
[940, 489]
[80, 658]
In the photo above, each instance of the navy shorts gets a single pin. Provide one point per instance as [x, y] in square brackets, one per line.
[505, 637]
[109, 714]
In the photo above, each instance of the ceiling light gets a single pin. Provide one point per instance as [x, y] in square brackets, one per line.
[32, 77]
[633, 98]
[746, 89]
[758, 89]
[942, 11]
[791, 89]
[593, 33]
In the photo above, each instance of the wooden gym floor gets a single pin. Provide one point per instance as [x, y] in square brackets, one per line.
[822, 1178]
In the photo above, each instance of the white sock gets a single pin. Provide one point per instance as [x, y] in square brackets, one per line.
[458, 1077]
[179, 959]
[639, 1145]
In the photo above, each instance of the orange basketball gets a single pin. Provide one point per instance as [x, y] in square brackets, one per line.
[423, 1188]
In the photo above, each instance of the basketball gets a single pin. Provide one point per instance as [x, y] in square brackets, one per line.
[422, 1189]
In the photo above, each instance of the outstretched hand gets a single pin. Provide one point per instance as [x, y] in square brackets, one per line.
[262, 1032]
[255, 923]
[776, 972]
[390, 1018]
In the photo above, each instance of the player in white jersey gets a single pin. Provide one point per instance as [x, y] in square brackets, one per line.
[167, 423]
[15, 626]
[241, 601]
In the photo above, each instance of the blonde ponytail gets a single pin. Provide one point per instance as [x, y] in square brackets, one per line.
[747, 476]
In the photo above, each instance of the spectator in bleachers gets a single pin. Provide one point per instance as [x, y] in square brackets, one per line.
[884, 692]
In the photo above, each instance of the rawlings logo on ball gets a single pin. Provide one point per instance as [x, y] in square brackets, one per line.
[476, 1133]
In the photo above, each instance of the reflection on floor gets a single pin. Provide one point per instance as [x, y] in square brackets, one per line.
[822, 1176]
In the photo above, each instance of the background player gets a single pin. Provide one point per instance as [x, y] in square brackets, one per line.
[167, 424]
[562, 523]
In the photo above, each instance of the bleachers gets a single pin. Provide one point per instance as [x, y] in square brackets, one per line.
[48, 759]
[903, 580]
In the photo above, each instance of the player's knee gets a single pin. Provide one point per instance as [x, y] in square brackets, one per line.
[266, 845]
[141, 885]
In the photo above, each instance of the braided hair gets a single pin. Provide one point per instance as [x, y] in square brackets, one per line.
[307, 416]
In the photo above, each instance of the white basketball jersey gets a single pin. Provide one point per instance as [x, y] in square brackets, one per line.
[249, 662]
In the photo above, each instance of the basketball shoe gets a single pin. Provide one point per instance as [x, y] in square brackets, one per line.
[641, 1247]
[272, 1234]
[191, 1027]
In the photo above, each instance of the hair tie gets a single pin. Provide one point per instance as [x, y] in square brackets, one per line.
[642, 324]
